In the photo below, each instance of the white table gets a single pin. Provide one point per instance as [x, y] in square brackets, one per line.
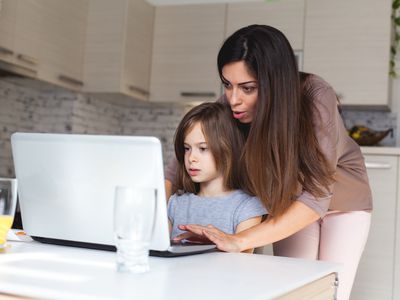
[42, 271]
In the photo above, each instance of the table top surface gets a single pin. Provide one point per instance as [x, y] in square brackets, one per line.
[57, 272]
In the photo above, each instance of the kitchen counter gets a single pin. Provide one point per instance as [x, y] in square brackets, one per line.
[31, 269]
[381, 150]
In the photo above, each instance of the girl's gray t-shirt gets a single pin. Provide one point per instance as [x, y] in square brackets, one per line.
[224, 212]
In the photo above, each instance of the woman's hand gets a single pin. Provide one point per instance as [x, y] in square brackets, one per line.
[223, 241]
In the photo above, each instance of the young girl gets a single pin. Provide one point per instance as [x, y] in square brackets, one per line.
[208, 146]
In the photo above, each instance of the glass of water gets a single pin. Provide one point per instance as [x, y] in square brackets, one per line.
[134, 217]
[8, 201]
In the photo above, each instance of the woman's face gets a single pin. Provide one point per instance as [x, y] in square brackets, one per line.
[241, 90]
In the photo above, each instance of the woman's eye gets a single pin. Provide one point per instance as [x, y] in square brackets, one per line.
[226, 85]
[186, 149]
[248, 89]
[203, 149]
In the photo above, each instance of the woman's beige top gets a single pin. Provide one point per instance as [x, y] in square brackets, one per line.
[350, 190]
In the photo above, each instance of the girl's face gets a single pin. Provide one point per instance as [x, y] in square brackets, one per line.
[241, 90]
[199, 161]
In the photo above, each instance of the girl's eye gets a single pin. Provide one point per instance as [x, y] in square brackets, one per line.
[203, 149]
[186, 149]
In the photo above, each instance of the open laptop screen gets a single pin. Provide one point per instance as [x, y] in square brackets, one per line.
[67, 182]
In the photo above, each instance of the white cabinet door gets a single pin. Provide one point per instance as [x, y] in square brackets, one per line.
[374, 278]
[62, 39]
[186, 42]
[138, 50]
[27, 44]
[286, 15]
[348, 44]
[8, 15]
[396, 280]
[118, 47]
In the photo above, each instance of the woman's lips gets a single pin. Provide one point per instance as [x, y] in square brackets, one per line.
[193, 172]
[239, 114]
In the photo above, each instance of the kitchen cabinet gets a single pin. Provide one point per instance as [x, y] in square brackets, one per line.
[19, 35]
[62, 39]
[118, 47]
[44, 39]
[348, 44]
[186, 42]
[28, 33]
[375, 275]
[285, 15]
[8, 15]
[396, 279]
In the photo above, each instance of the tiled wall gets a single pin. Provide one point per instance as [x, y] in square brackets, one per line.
[37, 109]
[59, 111]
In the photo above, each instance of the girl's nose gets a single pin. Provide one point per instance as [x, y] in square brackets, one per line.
[192, 157]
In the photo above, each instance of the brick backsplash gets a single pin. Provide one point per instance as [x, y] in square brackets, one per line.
[28, 109]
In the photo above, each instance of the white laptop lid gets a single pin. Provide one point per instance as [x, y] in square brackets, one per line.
[66, 183]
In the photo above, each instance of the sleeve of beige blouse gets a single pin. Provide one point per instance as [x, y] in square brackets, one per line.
[327, 126]
[171, 170]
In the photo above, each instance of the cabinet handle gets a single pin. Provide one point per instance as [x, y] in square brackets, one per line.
[70, 80]
[6, 51]
[27, 59]
[378, 165]
[198, 94]
[138, 89]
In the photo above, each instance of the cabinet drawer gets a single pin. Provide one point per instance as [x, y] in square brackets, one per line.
[374, 278]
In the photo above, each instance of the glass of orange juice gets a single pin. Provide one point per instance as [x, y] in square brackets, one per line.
[8, 201]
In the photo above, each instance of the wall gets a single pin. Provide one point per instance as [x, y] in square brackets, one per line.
[55, 110]
[375, 120]
[29, 106]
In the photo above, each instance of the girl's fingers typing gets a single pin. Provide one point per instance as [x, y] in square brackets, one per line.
[183, 236]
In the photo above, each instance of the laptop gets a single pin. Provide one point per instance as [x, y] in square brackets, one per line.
[66, 185]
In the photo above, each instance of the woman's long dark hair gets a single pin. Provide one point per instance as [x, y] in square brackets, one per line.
[223, 138]
[281, 154]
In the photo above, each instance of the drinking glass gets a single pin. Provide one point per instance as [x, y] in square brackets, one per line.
[8, 201]
[134, 215]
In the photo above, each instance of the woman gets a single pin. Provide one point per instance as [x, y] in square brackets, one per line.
[300, 161]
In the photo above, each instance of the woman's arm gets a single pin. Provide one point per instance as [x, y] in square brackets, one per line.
[170, 173]
[246, 225]
[271, 230]
[168, 189]
[170, 227]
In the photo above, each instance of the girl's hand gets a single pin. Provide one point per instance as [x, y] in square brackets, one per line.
[223, 241]
[191, 237]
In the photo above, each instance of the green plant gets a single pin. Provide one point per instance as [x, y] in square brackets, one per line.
[396, 36]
